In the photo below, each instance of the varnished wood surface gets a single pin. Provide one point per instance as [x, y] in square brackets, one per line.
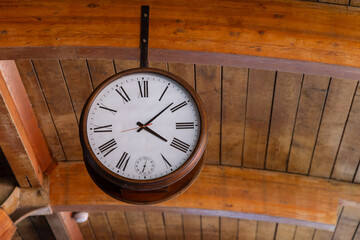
[280, 31]
[71, 187]
[7, 227]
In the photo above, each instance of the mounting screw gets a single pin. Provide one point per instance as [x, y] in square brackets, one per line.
[144, 40]
[145, 15]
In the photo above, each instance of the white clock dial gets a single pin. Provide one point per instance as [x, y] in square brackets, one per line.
[143, 126]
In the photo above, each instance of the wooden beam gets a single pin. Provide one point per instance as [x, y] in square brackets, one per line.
[64, 226]
[264, 31]
[30, 157]
[7, 227]
[223, 191]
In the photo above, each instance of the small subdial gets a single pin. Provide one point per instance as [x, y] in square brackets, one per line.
[144, 165]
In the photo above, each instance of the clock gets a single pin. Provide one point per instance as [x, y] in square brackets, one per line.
[143, 132]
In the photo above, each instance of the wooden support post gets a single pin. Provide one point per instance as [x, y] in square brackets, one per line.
[7, 227]
[28, 154]
[64, 226]
[222, 191]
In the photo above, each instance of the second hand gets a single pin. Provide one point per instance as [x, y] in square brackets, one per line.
[137, 127]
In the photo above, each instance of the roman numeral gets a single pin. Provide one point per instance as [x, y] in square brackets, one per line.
[123, 161]
[185, 125]
[108, 147]
[144, 88]
[108, 109]
[177, 107]
[180, 145]
[123, 94]
[167, 164]
[106, 128]
[163, 93]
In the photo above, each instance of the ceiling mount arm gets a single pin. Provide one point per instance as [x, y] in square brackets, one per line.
[144, 36]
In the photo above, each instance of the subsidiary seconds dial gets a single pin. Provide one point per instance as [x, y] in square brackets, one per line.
[142, 125]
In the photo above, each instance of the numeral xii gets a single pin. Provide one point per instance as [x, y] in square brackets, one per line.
[144, 89]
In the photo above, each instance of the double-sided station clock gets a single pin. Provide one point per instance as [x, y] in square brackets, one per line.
[143, 133]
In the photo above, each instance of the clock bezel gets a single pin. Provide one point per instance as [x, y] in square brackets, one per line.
[148, 184]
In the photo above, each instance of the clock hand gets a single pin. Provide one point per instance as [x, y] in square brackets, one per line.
[155, 116]
[144, 165]
[136, 128]
[150, 131]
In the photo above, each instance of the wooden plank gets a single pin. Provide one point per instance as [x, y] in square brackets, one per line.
[285, 231]
[87, 231]
[280, 31]
[100, 69]
[7, 227]
[347, 225]
[304, 233]
[258, 111]
[118, 225]
[208, 86]
[192, 227]
[155, 225]
[78, 82]
[42, 227]
[336, 111]
[210, 227]
[355, 3]
[63, 226]
[26, 229]
[173, 225]
[286, 98]
[228, 228]
[265, 230]
[357, 234]
[322, 235]
[349, 153]
[41, 110]
[233, 115]
[183, 70]
[122, 65]
[54, 87]
[343, 2]
[308, 119]
[247, 229]
[160, 65]
[71, 189]
[100, 225]
[17, 236]
[137, 226]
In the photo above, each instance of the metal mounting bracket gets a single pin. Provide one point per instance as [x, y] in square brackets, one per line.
[144, 36]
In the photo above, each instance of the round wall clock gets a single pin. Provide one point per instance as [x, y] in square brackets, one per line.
[143, 133]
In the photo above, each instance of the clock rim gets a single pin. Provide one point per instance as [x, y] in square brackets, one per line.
[147, 184]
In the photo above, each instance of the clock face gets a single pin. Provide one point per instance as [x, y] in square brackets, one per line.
[143, 126]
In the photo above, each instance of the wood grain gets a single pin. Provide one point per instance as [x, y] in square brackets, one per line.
[228, 228]
[342, 2]
[322, 235]
[54, 87]
[247, 229]
[7, 227]
[137, 226]
[349, 153]
[208, 86]
[71, 189]
[118, 225]
[155, 225]
[280, 31]
[286, 98]
[258, 110]
[122, 65]
[233, 115]
[210, 227]
[347, 224]
[63, 226]
[285, 231]
[192, 227]
[41, 110]
[173, 225]
[304, 233]
[87, 231]
[159, 65]
[265, 230]
[26, 229]
[336, 111]
[355, 3]
[78, 82]
[100, 225]
[42, 227]
[100, 70]
[312, 100]
[183, 70]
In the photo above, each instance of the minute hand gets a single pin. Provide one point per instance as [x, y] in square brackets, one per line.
[148, 122]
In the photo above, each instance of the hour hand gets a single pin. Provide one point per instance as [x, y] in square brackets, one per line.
[150, 131]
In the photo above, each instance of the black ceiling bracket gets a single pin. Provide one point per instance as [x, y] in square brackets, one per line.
[144, 36]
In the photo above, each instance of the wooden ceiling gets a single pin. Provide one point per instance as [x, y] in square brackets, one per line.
[279, 80]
